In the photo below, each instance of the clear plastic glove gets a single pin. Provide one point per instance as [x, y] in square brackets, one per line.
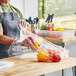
[24, 24]
[26, 42]
[19, 42]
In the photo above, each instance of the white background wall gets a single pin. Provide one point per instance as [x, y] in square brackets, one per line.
[29, 8]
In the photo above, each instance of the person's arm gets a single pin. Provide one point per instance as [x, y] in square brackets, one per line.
[5, 39]
[10, 41]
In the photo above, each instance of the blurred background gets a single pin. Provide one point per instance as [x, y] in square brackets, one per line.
[64, 11]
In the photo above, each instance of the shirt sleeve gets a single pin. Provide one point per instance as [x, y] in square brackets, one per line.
[0, 22]
[0, 26]
[19, 13]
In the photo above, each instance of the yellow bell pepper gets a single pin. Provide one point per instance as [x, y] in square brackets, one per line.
[43, 56]
[37, 45]
[59, 29]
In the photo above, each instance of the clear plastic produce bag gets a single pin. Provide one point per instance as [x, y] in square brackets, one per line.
[5, 65]
[46, 50]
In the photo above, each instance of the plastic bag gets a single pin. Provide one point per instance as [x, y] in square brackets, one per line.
[46, 50]
[5, 65]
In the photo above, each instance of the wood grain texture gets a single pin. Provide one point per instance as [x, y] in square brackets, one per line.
[30, 67]
[61, 39]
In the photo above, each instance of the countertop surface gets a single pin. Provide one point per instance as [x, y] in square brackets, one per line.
[61, 39]
[27, 65]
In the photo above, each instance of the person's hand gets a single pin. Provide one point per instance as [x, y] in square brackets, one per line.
[26, 42]
[24, 24]
[29, 42]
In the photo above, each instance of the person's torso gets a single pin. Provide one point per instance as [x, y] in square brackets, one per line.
[10, 22]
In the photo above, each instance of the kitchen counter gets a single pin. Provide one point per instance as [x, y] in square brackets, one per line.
[61, 39]
[30, 67]
[67, 43]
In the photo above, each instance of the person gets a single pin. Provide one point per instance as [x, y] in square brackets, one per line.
[9, 28]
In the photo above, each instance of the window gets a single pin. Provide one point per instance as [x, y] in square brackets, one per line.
[57, 7]
[64, 12]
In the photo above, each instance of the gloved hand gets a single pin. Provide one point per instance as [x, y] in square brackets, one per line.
[19, 42]
[24, 24]
[27, 42]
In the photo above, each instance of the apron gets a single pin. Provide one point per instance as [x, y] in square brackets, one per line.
[10, 22]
